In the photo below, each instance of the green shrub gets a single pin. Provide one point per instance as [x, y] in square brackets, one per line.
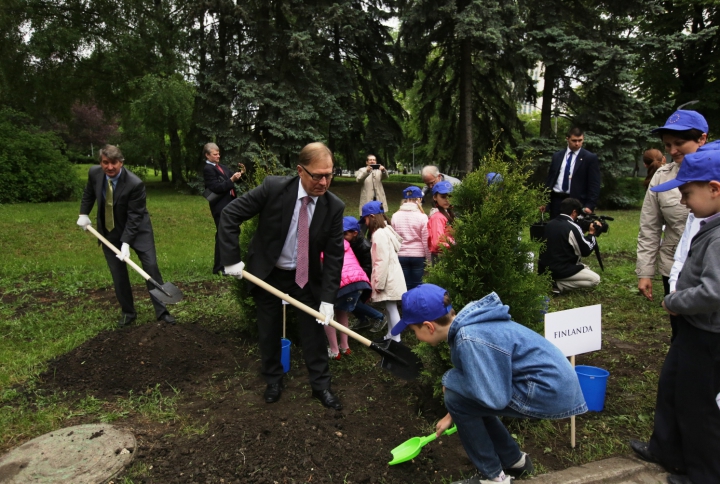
[32, 168]
[489, 254]
[622, 193]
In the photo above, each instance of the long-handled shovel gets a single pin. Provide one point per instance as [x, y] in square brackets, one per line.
[167, 293]
[398, 359]
[410, 449]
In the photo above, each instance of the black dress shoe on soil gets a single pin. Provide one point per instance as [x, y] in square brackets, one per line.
[273, 392]
[642, 450]
[678, 479]
[126, 320]
[167, 317]
[327, 399]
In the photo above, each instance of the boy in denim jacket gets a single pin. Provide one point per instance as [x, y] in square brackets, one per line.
[501, 368]
[686, 433]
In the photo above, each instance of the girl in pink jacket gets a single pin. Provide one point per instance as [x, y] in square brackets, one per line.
[353, 281]
[441, 218]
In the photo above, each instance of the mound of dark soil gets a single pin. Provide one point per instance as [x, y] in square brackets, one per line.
[136, 358]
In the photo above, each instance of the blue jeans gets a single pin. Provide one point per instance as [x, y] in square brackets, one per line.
[363, 310]
[485, 439]
[413, 269]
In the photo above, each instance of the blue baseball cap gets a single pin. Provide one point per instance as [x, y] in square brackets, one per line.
[702, 166]
[493, 178]
[371, 208]
[350, 223]
[412, 192]
[423, 303]
[442, 187]
[682, 120]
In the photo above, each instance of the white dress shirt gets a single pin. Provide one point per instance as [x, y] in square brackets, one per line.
[288, 256]
[561, 176]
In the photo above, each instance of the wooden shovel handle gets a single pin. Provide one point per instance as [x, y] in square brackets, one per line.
[305, 308]
[110, 246]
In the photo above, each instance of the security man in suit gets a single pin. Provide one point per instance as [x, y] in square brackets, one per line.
[123, 219]
[220, 180]
[574, 172]
[299, 219]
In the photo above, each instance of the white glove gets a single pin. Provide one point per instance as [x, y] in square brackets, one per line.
[124, 252]
[327, 310]
[235, 270]
[84, 221]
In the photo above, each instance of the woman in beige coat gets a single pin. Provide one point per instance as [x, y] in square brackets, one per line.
[371, 177]
[387, 279]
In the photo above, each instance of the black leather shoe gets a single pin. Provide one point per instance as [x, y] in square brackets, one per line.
[167, 317]
[678, 479]
[327, 399]
[126, 319]
[642, 450]
[273, 392]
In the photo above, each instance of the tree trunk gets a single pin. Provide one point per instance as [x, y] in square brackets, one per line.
[546, 110]
[176, 154]
[465, 139]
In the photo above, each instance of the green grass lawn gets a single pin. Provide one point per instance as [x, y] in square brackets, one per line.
[52, 273]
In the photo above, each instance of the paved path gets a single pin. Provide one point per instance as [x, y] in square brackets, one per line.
[617, 470]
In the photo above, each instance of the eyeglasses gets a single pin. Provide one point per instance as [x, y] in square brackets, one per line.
[318, 177]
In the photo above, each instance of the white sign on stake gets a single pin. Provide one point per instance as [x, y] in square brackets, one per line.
[575, 331]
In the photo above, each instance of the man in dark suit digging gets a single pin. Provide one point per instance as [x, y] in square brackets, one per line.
[298, 220]
[574, 173]
[123, 219]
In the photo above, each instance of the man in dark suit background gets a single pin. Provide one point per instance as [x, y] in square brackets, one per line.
[220, 180]
[125, 222]
[282, 256]
[574, 172]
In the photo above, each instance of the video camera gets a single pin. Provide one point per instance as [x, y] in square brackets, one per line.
[584, 220]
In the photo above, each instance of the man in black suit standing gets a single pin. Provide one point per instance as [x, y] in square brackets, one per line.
[574, 172]
[220, 180]
[298, 220]
[123, 219]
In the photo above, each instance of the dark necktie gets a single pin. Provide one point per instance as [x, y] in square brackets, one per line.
[109, 215]
[566, 178]
[303, 236]
[232, 190]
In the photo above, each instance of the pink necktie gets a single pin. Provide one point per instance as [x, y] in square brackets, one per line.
[232, 190]
[301, 272]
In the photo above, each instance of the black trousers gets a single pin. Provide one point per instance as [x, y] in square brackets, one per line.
[121, 279]
[312, 333]
[555, 200]
[686, 435]
[217, 266]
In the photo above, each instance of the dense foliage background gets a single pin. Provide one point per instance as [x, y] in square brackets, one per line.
[414, 82]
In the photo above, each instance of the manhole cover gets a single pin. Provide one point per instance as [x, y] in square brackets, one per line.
[82, 454]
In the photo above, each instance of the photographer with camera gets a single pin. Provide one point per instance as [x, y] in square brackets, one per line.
[566, 245]
[371, 176]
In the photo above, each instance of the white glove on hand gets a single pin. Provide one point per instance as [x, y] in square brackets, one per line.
[327, 310]
[124, 252]
[235, 270]
[84, 221]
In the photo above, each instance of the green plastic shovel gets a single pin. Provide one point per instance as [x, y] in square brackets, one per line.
[411, 448]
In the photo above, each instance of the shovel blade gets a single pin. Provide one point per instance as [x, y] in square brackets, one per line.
[406, 451]
[167, 293]
[398, 359]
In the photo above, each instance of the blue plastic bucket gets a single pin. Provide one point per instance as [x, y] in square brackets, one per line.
[593, 382]
[285, 355]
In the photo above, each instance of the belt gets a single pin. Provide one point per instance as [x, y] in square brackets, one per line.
[559, 195]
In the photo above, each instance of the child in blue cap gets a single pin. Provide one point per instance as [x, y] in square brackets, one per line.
[501, 368]
[441, 218]
[387, 280]
[686, 433]
[411, 223]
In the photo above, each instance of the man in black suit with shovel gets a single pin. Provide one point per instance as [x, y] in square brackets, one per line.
[123, 219]
[299, 219]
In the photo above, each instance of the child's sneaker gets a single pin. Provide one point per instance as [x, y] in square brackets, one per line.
[479, 479]
[333, 356]
[522, 467]
[345, 352]
[379, 325]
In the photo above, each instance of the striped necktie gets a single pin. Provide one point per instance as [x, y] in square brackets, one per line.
[303, 236]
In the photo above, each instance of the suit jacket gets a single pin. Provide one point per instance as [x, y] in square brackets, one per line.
[219, 183]
[274, 201]
[585, 183]
[132, 220]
